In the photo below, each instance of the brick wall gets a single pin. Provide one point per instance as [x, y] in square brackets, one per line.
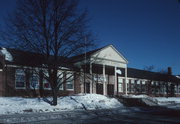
[1, 83]
[10, 90]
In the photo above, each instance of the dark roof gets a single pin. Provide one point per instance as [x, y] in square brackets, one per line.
[87, 54]
[143, 74]
[25, 58]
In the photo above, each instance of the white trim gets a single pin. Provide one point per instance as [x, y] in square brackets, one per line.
[113, 49]
[30, 67]
[18, 66]
[104, 81]
[108, 60]
[115, 81]
[126, 80]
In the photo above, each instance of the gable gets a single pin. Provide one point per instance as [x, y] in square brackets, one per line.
[109, 53]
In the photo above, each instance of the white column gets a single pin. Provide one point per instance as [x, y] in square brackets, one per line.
[104, 81]
[115, 81]
[91, 77]
[126, 80]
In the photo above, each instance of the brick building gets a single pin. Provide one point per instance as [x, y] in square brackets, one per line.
[101, 71]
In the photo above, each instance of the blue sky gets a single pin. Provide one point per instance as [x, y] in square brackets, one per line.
[146, 32]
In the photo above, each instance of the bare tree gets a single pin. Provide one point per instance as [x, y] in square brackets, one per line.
[149, 68]
[53, 28]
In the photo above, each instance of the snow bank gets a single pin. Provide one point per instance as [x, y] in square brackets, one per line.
[167, 101]
[95, 101]
[170, 102]
[7, 54]
[135, 96]
[11, 105]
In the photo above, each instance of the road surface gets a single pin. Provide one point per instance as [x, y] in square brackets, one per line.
[129, 115]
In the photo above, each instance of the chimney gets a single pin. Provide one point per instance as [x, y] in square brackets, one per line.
[169, 70]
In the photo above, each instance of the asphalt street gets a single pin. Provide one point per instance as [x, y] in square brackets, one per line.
[126, 115]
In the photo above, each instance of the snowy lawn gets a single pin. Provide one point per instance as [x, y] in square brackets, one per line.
[11, 105]
[169, 99]
[135, 96]
[169, 102]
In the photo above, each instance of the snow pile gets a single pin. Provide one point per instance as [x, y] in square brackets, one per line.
[164, 101]
[11, 105]
[135, 96]
[170, 102]
[7, 54]
[96, 101]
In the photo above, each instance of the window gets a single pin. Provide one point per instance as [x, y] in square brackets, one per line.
[34, 81]
[100, 78]
[128, 82]
[120, 84]
[138, 86]
[46, 83]
[143, 87]
[70, 81]
[20, 79]
[132, 86]
[60, 79]
[164, 88]
[178, 89]
[158, 86]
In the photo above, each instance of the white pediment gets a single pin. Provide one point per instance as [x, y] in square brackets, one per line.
[109, 53]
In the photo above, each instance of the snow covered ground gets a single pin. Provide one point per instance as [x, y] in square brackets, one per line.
[169, 102]
[11, 105]
[135, 96]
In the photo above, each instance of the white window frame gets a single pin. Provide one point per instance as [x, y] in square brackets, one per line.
[70, 73]
[30, 79]
[22, 73]
[120, 84]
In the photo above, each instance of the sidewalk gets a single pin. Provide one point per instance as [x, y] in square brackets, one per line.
[115, 116]
[62, 115]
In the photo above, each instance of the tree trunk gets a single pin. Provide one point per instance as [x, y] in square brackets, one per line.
[41, 90]
[55, 93]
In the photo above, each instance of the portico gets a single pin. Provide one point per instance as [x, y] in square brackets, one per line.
[102, 69]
